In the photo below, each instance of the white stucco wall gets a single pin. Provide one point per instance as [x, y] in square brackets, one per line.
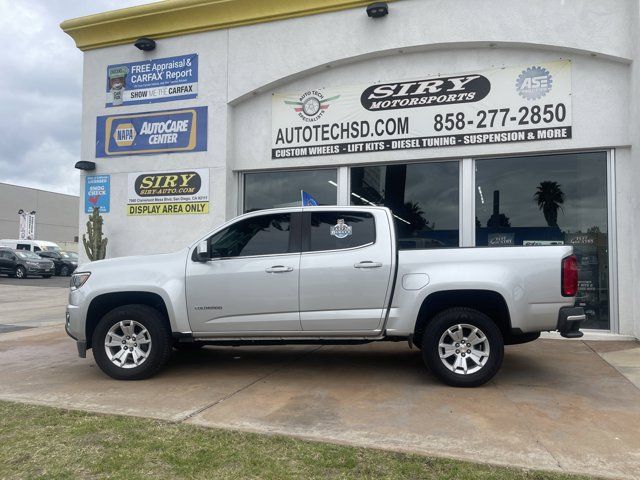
[240, 68]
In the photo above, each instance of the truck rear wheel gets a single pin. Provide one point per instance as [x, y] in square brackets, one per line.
[463, 347]
[131, 342]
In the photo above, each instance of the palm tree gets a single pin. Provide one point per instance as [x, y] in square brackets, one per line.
[550, 197]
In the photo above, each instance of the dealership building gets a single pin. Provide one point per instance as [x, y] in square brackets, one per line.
[480, 124]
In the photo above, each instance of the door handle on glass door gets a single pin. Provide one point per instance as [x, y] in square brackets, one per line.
[279, 269]
[368, 264]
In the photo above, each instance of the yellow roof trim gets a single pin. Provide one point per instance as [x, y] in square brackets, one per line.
[169, 18]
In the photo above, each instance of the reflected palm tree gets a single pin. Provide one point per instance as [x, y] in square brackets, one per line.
[550, 197]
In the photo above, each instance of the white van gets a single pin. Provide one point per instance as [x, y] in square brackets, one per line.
[31, 245]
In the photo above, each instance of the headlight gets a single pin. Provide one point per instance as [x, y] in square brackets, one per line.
[32, 264]
[79, 279]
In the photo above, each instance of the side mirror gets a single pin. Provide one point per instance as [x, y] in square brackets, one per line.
[202, 251]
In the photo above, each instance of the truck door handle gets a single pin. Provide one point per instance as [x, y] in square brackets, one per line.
[368, 264]
[279, 269]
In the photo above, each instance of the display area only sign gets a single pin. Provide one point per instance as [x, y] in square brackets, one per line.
[513, 104]
[150, 81]
[168, 193]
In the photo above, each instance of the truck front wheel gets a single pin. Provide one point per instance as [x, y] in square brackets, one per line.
[463, 347]
[131, 342]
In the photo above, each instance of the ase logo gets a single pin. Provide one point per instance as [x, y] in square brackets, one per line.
[311, 105]
[534, 83]
[124, 135]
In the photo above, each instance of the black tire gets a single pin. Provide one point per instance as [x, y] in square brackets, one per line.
[21, 272]
[46, 276]
[159, 334]
[188, 346]
[452, 317]
[64, 271]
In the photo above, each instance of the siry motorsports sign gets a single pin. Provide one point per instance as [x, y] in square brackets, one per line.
[513, 104]
[168, 193]
[168, 131]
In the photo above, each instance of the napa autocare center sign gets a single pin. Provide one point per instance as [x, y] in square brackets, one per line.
[97, 193]
[514, 104]
[180, 192]
[150, 81]
[169, 131]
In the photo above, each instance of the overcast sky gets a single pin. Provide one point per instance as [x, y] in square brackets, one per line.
[41, 91]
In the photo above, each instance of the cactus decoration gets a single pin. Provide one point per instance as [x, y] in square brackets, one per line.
[96, 244]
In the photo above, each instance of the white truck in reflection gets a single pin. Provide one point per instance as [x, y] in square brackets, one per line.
[322, 275]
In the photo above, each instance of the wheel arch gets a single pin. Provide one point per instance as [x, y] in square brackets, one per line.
[104, 303]
[489, 302]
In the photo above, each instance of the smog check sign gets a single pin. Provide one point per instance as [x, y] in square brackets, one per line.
[167, 131]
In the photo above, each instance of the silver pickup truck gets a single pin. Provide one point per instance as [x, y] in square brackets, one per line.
[322, 275]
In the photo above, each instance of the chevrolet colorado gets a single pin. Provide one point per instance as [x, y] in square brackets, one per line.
[322, 275]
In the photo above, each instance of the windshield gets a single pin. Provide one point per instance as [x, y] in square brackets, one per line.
[71, 255]
[27, 255]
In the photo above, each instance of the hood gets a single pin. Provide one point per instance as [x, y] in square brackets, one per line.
[132, 261]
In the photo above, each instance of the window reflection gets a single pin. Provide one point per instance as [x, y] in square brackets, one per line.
[282, 188]
[423, 197]
[547, 200]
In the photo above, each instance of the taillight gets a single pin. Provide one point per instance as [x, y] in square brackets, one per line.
[569, 276]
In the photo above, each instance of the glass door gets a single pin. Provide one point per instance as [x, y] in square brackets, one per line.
[548, 200]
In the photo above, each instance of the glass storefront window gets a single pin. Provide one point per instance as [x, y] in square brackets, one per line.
[282, 188]
[424, 199]
[546, 200]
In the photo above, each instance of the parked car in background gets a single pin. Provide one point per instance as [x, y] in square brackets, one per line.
[64, 262]
[21, 264]
[30, 245]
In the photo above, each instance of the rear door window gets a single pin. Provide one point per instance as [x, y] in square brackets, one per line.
[340, 230]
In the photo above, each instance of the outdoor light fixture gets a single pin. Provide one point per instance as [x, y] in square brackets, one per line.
[145, 44]
[378, 10]
[85, 165]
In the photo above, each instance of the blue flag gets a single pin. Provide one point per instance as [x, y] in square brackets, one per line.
[308, 200]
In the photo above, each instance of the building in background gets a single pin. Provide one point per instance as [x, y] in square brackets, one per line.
[56, 217]
[480, 124]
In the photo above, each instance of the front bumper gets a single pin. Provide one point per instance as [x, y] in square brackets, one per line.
[40, 270]
[73, 329]
[569, 320]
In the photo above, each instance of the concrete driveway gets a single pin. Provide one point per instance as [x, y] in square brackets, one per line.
[556, 405]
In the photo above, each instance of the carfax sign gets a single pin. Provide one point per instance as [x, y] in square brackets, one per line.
[150, 81]
[97, 193]
[167, 131]
[514, 104]
[168, 193]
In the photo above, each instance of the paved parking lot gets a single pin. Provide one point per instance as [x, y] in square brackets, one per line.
[33, 301]
[556, 405]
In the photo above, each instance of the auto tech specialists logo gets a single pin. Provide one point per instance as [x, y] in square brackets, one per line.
[311, 105]
[534, 83]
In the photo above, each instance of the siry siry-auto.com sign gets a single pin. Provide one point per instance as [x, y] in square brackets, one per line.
[168, 193]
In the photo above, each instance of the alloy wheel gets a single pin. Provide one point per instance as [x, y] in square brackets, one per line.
[128, 344]
[464, 349]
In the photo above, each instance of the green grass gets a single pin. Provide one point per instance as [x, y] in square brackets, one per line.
[43, 442]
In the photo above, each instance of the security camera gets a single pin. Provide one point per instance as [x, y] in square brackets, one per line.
[145, 44]
[377, 10]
